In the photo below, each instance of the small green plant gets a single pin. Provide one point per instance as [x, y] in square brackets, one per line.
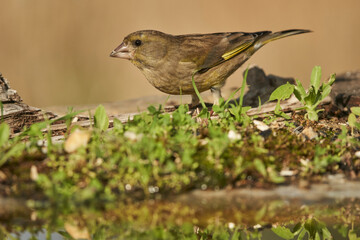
[316, 93]
[281, 93]
[352, 119]
[101, 120]
[222, 108]
[313, 228]
[2, 111]
[310, 99]
[204, 111]
[4, 133]
[352, 235]
[237, 109]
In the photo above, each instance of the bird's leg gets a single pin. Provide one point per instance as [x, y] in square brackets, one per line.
[194, 100]
[216, 93]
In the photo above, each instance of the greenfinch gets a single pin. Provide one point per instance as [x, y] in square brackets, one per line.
[170, 62]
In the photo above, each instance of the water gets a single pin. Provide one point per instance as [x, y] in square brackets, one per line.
[211, 215]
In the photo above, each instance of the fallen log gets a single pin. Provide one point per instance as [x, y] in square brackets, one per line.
[15, 112]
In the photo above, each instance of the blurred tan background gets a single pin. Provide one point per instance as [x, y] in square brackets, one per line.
[57, 52]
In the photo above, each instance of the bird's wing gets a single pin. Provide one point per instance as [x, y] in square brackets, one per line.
[229, 46]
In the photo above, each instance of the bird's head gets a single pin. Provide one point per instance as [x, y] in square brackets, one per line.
[143, 48]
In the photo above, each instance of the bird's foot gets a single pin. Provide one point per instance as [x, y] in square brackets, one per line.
[194, 101]
[216, 93]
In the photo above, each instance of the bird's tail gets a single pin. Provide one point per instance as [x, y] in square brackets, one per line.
[277, 35]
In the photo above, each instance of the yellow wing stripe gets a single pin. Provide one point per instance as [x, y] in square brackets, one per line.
[236, 51]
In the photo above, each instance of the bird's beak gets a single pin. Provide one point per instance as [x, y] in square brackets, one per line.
[122, 51]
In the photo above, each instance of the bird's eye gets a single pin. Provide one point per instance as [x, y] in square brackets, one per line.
[137, 42]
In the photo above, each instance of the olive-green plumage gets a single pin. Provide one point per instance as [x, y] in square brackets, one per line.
[169, 62]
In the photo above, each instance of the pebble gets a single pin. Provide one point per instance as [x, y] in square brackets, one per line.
[309, 133]
[261, 126]
[76, 140]
[34, 173]
[232, 135]
[287, 173]
[133, 136]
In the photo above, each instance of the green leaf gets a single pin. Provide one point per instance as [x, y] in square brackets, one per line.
[101, 120]
[302, 233]
[310, 98]
[231, 96]
[277, 109]
[275, 177]
[284, 115]
[297, 228]
[35, 130]
[68, 116]
[4, 133]
[118, 124]
[233, 110]
[259, 165]
[259, 108]
[317, 229]
[310, 226]
[282, 92]
[315, 78]
[299, 91]
[197, 92]
[236, 235]
[66, 235]
[325, 92]
[331, 79]
[245, 109]
[326, 88]
[351, 120]
[326, 233]
[260, 213]
[2, 111]
[204, 113]
[152, 110]
[15, 150]
[352, 235]
[311, 115]
[241, 99]
[283, 232]
[355, 110]
[217, 108]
